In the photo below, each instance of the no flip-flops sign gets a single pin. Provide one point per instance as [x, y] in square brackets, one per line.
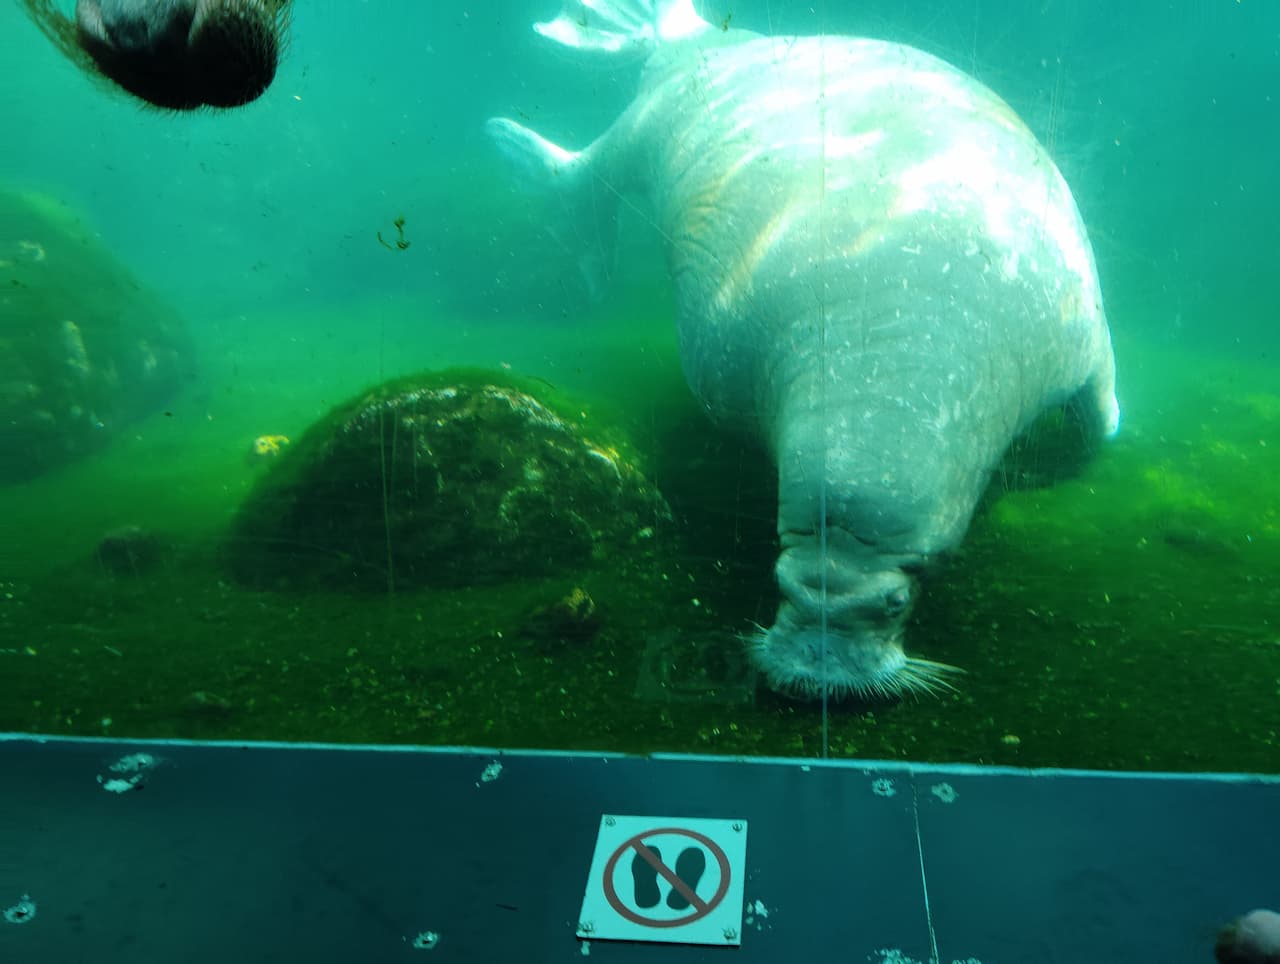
[671, 879]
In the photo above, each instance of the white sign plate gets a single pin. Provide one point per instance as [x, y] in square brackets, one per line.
[677, 880]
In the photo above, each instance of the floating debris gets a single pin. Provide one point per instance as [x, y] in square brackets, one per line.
[23, 912]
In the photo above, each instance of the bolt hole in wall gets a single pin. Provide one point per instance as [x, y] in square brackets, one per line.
[326, 420]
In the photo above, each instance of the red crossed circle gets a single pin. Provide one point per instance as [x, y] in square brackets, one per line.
[700, 907]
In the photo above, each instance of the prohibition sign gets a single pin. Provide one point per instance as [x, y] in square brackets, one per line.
[701, 908]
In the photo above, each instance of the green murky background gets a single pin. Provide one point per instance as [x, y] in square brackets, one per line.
[1128, 617]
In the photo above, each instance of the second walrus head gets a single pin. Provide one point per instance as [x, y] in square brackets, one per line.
[175, 54]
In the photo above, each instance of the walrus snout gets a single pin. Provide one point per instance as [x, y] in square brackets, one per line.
[1253, 938]
[805, 659]
[184, 54]
[840, 626]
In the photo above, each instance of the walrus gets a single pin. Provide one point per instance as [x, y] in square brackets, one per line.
[878, 271]
[175, 54]
[1252, 938]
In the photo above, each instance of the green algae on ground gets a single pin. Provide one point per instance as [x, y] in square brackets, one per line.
[1122, 618]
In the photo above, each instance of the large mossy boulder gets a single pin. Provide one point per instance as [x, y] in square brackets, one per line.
[446, 479]
[84, 348]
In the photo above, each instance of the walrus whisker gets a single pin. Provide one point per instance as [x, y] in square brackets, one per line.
[916, 676]
[921, 675]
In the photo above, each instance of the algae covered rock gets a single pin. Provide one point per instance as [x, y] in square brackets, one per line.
[130, 550]
[84, 349]
[448, 479]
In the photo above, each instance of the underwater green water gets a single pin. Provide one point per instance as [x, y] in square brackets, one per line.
[1127, 616]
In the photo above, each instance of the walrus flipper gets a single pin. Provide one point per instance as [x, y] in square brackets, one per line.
[587, 222]
[626, 27]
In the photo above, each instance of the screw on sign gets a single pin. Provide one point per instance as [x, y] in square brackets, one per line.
[682, 869]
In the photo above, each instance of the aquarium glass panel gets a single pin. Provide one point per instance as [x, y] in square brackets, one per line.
[739, 377]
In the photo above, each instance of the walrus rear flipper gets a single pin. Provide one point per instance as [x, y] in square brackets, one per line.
[580, 180]
[587, 222]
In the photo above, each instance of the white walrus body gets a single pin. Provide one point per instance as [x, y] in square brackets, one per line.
[878, 270]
